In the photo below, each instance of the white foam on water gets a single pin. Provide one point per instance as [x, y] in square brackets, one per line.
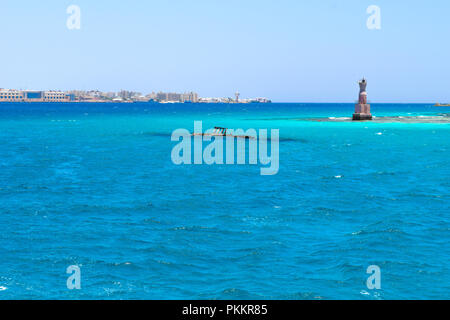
[338, 177]
[2, 288]
[379, 133]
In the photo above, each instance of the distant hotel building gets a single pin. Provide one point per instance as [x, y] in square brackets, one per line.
[56, 96]
[7, 95]
[11, 95]
[177, 97]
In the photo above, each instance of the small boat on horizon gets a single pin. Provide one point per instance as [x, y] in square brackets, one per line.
[442, 105]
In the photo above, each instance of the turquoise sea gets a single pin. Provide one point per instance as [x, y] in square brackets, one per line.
[93, 185]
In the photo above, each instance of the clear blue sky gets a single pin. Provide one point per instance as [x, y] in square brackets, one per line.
[287, 50]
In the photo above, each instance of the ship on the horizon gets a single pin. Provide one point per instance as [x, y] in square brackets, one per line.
[442, 105]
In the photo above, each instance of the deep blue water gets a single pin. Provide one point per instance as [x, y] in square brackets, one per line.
[93, 185]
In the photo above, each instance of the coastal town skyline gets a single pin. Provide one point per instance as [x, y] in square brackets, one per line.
[95, 95]
[17, 95]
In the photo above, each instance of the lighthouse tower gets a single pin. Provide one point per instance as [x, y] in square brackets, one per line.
[362, 108]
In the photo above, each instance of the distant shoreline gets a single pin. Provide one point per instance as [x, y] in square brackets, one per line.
[141, 102]
[431, 104]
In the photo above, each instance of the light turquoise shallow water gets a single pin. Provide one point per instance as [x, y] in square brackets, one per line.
[94, 185]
